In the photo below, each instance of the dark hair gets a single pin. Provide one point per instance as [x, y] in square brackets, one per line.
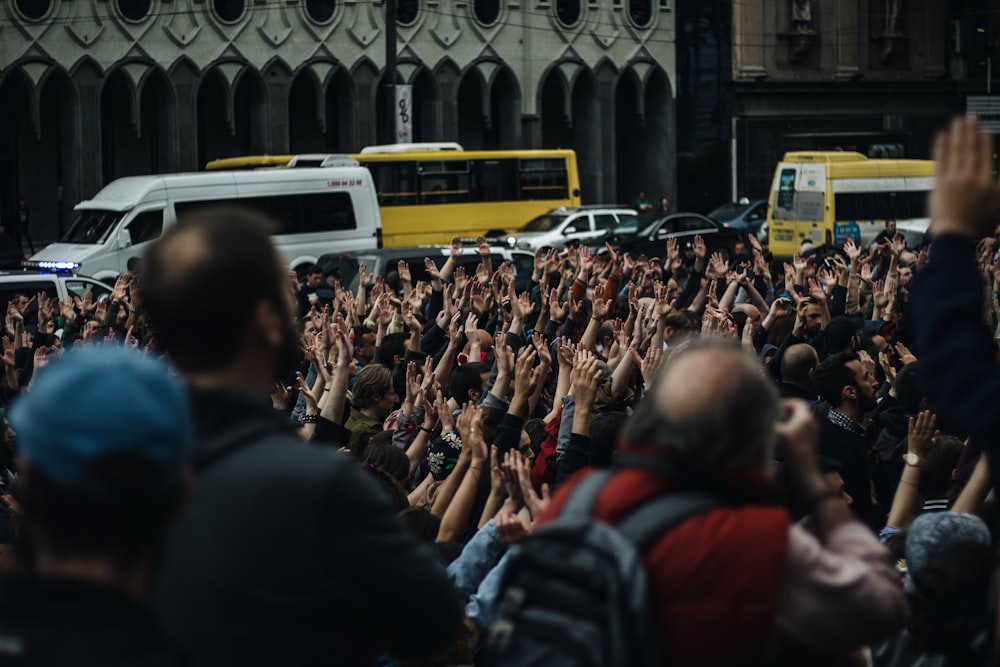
[133, 263]
[123, 524]
[467, 377]
[938, 466]
[393, 345]
[535, 428]
[422, 522]
[394, 490]
[384, 455]
[910, 388]
[372, 383]
[201, 297]
[310, 269]
[604, 433]
[833, 375]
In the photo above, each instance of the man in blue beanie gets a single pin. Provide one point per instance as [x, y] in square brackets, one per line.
[104, 435]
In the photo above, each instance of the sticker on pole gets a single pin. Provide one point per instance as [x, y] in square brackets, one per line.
[404, 114]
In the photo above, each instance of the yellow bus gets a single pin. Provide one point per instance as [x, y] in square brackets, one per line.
[429, 193]
[827, 197]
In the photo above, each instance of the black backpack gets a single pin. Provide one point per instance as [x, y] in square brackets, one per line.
[575, 592]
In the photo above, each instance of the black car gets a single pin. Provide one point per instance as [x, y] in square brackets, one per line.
[647, 233]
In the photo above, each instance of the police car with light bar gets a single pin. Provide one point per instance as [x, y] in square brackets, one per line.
[58, 282]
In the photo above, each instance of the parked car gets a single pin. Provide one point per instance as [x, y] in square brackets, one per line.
[57, 283]
[564, 225]
[647, 233]
[384, 262]
[747, 217]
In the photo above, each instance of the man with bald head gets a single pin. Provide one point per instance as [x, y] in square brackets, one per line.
[797, 369]
[738, 583]
[284, 553]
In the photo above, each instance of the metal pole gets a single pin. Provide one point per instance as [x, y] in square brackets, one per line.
[390, 69]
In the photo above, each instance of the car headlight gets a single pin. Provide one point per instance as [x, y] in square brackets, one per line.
[512, 241]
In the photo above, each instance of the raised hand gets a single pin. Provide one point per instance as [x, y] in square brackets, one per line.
[921, 433]
[456, 248]
[404, 271]
[586, 378]
[482, 247]
[851, 250]
[364, 278]
[966, 196]
[432, 269]
[557, 313]
[698, 245]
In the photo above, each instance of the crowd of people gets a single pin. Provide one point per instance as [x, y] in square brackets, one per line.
[225, 464]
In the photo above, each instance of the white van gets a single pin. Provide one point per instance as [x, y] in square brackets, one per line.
[319, 211]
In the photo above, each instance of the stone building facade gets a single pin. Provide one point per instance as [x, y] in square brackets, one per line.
[876, 76]
[92, 90]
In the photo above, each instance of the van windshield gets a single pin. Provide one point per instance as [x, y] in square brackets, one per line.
[91, 226]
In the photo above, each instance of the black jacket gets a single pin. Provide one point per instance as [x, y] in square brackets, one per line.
[48, 622]
[851, 451]
[289, 554]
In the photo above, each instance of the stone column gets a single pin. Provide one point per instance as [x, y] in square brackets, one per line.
[848, 40]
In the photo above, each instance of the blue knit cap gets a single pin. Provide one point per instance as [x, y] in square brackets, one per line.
[101, 400]
[931, 533]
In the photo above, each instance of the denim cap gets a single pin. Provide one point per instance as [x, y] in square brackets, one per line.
[102, 400]
[930, 534]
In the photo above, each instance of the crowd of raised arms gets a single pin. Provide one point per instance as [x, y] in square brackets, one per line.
[219, 465]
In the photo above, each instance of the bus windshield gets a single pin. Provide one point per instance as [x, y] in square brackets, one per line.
[544, 223]
[91, 226]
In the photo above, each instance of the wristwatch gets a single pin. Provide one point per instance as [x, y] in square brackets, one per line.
[912, 459]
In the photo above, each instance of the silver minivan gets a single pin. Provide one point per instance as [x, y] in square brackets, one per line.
[561, 226]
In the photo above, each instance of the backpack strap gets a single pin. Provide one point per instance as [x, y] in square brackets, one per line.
[662, 514]
[581, 501]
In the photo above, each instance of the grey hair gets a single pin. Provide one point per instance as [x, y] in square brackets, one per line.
[736, 431]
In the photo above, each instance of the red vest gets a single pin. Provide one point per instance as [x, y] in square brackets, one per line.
[715, 578]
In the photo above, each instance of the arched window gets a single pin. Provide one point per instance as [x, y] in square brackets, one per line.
[568, 12]
[406, 11]
[641, 12]
[34, 9]
[320, 11]
[486, 11]
[229, 11]
[134, 10]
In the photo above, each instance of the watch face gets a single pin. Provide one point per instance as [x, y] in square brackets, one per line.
[912, 459]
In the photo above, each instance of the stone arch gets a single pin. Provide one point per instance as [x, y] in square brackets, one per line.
[53, 175]
[629, 136]
[505, 110]
[250, 113]
[341, 113]
[472, 113]
[215, 118]
[426, 106]
[586, 135]
[659, 134]
[306, 114]
[158, 121]
[18, 134]
[553, 107]
[119, 131]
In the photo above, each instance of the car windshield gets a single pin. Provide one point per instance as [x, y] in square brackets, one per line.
[632, 224]
[91, 226]
[545, 223]
[728, 211]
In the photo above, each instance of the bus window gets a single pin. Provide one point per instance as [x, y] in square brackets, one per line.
[444, 181]
[880, 205]
[543, 178]
[396, 182]
[493, 180]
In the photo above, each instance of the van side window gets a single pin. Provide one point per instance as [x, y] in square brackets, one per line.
[147, 226]
[294, 214]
